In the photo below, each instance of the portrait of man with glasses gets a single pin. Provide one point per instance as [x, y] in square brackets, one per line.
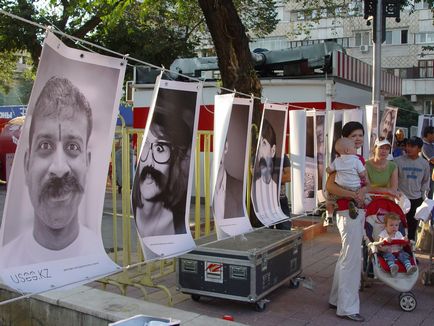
[160, 185]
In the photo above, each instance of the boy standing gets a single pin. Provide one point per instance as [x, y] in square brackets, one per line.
[413, 179]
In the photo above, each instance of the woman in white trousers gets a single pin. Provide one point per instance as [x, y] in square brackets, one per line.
[344, 295]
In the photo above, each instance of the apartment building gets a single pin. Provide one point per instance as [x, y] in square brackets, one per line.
[402, 52]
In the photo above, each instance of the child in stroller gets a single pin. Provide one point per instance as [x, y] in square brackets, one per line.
[390, 252]
[406, 275]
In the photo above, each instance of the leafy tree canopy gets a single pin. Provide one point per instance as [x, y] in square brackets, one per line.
[407, 115]
[144, 29]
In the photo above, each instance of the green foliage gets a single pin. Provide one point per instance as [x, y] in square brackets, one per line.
[15, 86]
[258, 16]
[7, 67]
[170, 20]
[407, 115]
[146, 34]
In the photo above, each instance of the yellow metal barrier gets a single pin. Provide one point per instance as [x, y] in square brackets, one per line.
[202, 224]
[136, 272]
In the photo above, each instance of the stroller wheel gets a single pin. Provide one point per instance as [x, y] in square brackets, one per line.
[407, 301]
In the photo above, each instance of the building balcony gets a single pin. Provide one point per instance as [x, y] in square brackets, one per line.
[418, 86]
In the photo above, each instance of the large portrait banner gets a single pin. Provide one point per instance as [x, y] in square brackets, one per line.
[297, 140]
[311, 169]
[387, 124]
[51, 232]
[335, 120]
[162, 185]
[320, 149]
[424, 121]
[267, 169]
[371, 118]
[232, 124]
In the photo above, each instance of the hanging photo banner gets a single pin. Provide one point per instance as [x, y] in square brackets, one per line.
[372, 114]
[355, 115]
[297, 140]
[321, 154]
[310, 171]
[162, 185]
[267, 170]
[423, 122]
[232, 124]
[51, 232]
[352, 115]
[387, 124]
[335, 118]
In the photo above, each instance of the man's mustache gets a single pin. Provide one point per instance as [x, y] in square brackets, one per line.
[264, 170]
[156, 175]
[262, 163]
[57, 187]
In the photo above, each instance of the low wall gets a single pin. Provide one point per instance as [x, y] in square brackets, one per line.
[311, 227]
[83, 306]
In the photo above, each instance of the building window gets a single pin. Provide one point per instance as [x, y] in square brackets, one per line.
[404, 36]
[323, 12]
[423, 4]
[344, 41]
[361, 38]
[401, 72]
[425, 37]
[279, 12]
[355, 8]
[426, 68]
[339, 11]
[270, 43]
[427, 107]
[398, 36]
[300, 15]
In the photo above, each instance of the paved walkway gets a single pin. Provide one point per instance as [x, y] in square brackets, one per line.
[307, 305]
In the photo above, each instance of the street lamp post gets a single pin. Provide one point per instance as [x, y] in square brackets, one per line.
[376, 60]
[376, 11]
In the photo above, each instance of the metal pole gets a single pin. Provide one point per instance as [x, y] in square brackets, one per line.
[376, 66]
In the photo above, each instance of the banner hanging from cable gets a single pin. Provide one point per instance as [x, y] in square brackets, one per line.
[162, 185]
[51, 232]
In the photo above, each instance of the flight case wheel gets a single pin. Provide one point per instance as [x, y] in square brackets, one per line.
[195, 297]
[294, 283]
[260, 305]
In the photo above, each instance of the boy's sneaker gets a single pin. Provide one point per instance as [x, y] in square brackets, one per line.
[411, 270]
[394, 270]
[328, 221]
[353, 210]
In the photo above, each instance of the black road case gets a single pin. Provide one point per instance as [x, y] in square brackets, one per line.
[244, 268]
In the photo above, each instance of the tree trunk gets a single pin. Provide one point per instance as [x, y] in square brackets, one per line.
[232, 48]
[234, 59]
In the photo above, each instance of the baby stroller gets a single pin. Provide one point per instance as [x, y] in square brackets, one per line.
[375, 265]
[427, 276]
